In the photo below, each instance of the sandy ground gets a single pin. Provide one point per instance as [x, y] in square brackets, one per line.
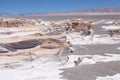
[94, 17]
[100, 69]
[48, 69]
[91, 72]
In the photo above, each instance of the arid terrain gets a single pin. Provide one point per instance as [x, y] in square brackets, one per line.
[37, 48]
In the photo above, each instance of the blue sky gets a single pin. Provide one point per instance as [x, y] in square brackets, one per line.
[25, 6]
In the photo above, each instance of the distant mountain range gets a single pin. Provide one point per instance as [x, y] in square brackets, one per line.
[100, 11]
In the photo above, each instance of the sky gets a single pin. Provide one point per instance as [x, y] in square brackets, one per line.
[28, 6]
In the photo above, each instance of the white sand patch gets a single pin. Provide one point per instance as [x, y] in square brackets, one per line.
[44, 69]
[92, 39]
[118, 48]
[43, 23]
[3, 49]
[9, 29]
[20, 29]
[90, 59]
[79, 19]
[114, 77]
[18, 34]
[111, 27]
[109, 22]
[99, 22]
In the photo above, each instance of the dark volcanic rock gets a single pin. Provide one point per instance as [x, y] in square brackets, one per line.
[22, 45]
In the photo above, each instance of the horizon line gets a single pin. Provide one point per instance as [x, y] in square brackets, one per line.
[57, 11]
